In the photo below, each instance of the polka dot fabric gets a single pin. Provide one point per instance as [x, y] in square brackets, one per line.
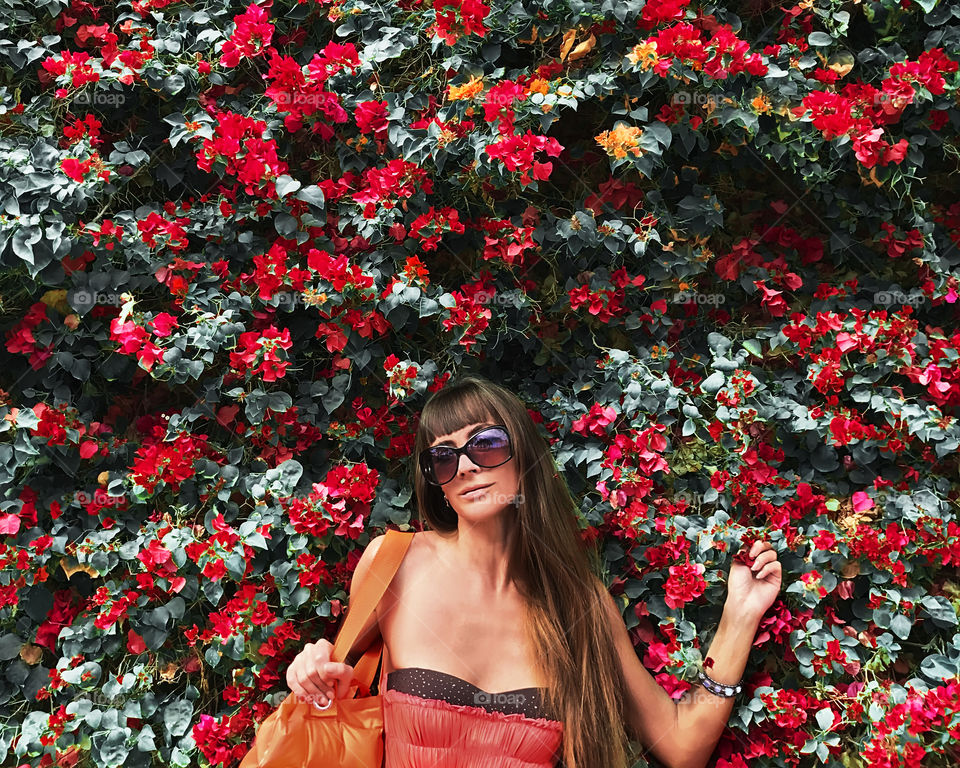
[433, 684]
[432, 719]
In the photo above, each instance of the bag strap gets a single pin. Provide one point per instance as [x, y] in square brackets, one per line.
[382, 570]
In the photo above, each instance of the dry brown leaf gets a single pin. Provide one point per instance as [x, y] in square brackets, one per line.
[57, 299]
[533, 37]
[169, 672]
[31, 653]
[73, 566]
[584, 48]
[850, 570]
[568, 37]
[841, 63]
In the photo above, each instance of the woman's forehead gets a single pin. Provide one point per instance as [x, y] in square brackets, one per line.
[459, 436]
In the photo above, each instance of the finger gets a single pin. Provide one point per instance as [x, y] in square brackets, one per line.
[343, 681]
[762, 559]
[768, 570]
[314, 684]
[341, 686]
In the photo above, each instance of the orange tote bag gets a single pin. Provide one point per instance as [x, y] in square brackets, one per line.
[349, 733]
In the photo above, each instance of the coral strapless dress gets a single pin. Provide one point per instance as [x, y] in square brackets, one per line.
[432, 719]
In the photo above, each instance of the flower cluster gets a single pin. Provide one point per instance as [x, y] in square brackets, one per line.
[513, 245]
[167, 462]
[256, 353]
[436, 222]
[517, 153]
[455, 18]
[401, 376]
[251, 36]
[469, 314]
[239, 143]
[20, 339]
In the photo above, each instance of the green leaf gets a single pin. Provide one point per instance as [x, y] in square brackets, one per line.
[10, 646]
[112, 747]
[177, 717]
[173, 84]
[824, 718]
[284, 185]
[901, 625]
[819, 39]
[939, 667]
[312, 194]
[940, 609]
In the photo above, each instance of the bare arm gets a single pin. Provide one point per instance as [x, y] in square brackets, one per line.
[703, 715]
[652, 717]
[683, 734]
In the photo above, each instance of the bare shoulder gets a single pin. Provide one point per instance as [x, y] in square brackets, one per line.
[420, 551]
[407, 582]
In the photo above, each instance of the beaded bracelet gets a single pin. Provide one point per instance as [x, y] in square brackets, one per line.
[719, 689]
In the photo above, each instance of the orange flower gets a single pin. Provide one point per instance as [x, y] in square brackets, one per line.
[538, 85]
[623, 139]
[644, 54]
[761, 103]
[467, 90]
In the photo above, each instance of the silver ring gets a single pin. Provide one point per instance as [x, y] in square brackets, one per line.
[329, 702]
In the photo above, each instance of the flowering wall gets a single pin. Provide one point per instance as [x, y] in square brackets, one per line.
[713, 246]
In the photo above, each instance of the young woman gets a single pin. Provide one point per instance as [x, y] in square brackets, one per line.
[502, 646]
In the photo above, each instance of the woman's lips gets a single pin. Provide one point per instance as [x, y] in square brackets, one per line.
[476, 494]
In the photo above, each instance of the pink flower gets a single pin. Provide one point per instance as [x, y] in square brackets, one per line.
[861, 502]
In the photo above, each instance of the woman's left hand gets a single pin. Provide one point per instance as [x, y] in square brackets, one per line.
[752, 590]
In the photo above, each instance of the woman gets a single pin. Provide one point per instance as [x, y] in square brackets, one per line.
[498, 594]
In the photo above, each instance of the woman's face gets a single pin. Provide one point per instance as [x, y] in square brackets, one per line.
[502, 482]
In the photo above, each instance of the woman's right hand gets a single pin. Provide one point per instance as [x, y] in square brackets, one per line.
[312, 676]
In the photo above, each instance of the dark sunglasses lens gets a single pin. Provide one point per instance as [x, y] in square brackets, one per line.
[490, 448]
[443, 464]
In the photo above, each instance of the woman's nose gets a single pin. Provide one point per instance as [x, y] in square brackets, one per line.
[470, 463]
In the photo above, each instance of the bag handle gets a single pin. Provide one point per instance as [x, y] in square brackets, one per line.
[382, 570]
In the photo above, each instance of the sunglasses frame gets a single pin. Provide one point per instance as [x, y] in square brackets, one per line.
[426, 460]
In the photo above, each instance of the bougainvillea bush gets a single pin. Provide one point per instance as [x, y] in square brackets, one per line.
[713, 246]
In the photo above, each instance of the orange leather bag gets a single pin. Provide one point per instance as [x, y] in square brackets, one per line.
[349, 734]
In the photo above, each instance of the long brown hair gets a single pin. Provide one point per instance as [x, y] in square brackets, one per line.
[555, 572]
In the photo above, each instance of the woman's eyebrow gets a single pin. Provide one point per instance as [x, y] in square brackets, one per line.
[473, 431]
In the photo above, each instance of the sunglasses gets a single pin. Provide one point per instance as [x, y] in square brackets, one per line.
[488, 448]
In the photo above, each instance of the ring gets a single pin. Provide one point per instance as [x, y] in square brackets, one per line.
[329, 702]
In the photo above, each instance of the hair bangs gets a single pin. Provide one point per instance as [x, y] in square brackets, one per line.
[458, 409]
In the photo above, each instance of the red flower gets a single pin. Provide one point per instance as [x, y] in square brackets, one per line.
[135, 643]
[371, 116]
[471, 15]
[684, 584]
[250, 38]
